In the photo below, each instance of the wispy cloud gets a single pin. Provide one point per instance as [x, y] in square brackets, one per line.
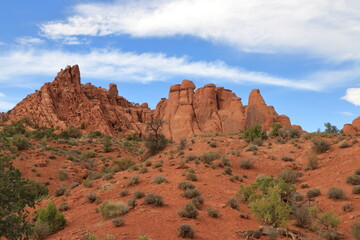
[349, 114]
[353, 96]
[27, 40]
[129, 66]
[5, 105]
[328, 29]
[2, 94]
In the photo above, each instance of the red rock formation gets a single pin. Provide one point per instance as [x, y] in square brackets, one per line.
[65, 102]
[352, 128]
[186, 112]
[3, 117]
[212, 109]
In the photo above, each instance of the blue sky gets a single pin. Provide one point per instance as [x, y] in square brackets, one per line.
[303, 55]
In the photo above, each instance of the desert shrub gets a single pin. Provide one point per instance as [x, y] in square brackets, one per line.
[64, 206]
[59, 191]
[20, 142]
[118, 222]
[186, 185]
[302, 216]
[198, 202]
[225, 162]
[91, 197]
[133, 181]
[131, 202]
[143, 170]
[355, 230]
[328, 222]
[287, 159]
[254, 132]
[312, 162]
[158, 164]
[212, 212]
[138, 194]
[182, 144]
[123, 163]
[154, 200]
[347, 207]
[62, 175]
[353, 180]
[209, 157]
[124, 193]
[269, 199]
[304, 185]
[331, 128]
[213, 144]
[275, 127]
[50, 218]
[336, 193]
[87, 183]
[191, 193]
[155, 143]
[233, 203]
[244, 216]
[14, 128]
[110, 210]
[74, 185]
[258, 142]
[314, 192]
[191, 158]
[188, 211]
[159, 179]
[251, 147]
[107, 144]
[247, 163]
[320, 145]
[107, 176]
[356, 190]
[191, 176]
[289, 175]
[296, 197]
[186, 231]
[357, 171]
[343, 144]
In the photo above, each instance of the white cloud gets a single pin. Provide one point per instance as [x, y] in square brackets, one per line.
[323, 28]
[29, 40]
[353, 96]
[347, 114]
[5, 105]
[128, 66]
[2, 94]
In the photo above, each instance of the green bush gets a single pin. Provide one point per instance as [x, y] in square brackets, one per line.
[320, 145]
[289, 175]
[123, 164]
[110, 210]
[133, 181]
[336, 193]
[59, 191]
[64, 206]
[62, 175]
[138, 194]
[355, 230]
[124, 193]
[14, 128]
[186, 231]
[191, 193]
[314, 192]
[154, 199]
[233, 203]
[155, 143]
[212, 212]
[356, 190]
[188, 211]
[20, 142]
[107, 144]
[247, 163]
[353, 180]
[159, 179]
[91, 197]
[302, 216]
[118, 222]
[51, 218]
[191, 177]
[197, 201]
[209, 157]
[186, 185]
[254, 132]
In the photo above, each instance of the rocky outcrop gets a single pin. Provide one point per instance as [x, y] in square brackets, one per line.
[186, 112]
[65, 101]
[212, 109]
[3, 117]
[354, 127]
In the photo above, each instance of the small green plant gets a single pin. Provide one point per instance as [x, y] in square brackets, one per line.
[191, 177]
[64, 206]
[233, 203]
[355, 230]
[208, 157]
[182, 144]
[107, 144]
[254, 132]
[191, 193]
[133, 181]
[289, 175]
[159, 179]
[312, 161]
[247, 163]
[59, 191]
[188, 211]
[312, 193]
[110, 210]
[251, 148]
[212, 212]
[118, 222]
[353, 180]
[336, 193]
[186, 185]
[87, 183]
[320, 145]
[138, 194]
[343, 144]
[123, 164]
[287, 159]
[356, 190]
[50, 218]
[124, 193]
[62, 175]
[213, 144]
[154, 200]
[186, 231]
[91, 197]
[347, 207]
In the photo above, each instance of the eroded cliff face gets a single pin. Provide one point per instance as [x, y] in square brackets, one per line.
[186, 112]
[65, 101]
[352, 128]
[212, 109]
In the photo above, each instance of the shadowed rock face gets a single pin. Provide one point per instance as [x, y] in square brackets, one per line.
[352, 128]
[65, 102]
[186, 112]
